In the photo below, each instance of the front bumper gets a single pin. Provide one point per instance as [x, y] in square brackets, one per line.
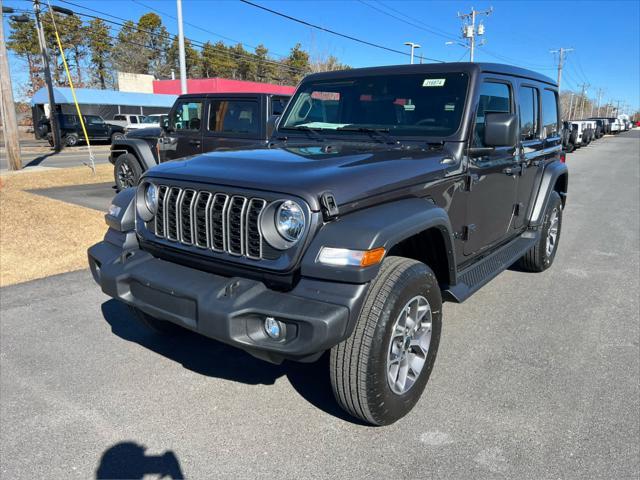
[317, 314]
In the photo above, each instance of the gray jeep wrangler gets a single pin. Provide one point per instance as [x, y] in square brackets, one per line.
[382, 193]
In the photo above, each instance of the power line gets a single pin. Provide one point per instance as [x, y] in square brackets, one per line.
[408, 22]
[168, 35]
[205, 30]
[333, 32]
[435, 30]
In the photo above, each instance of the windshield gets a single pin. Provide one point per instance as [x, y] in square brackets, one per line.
[405, 105]
[93, 119]
[151, 119]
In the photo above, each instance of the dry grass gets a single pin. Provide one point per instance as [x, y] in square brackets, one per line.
[41, 236]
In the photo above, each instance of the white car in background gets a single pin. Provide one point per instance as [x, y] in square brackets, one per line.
[616, 125]
[153, 121]
[128, 121]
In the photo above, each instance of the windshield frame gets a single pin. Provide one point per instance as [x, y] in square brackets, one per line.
[337, 134]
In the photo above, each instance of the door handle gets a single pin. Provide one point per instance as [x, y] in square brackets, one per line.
[512, 170]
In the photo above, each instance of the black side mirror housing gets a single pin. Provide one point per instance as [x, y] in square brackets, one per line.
[500, 129]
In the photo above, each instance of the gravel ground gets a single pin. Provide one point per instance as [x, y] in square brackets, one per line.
[537, 376]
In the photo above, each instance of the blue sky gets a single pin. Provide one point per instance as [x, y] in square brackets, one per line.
[605, 34]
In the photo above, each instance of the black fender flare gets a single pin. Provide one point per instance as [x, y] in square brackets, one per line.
[384, 225]
[140, 148]
[550, 176]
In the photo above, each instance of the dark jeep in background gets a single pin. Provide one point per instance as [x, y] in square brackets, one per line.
[383, 192]
[197, 123]
[71, 129]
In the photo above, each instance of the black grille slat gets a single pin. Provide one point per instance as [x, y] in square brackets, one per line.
[162, 193]
[235, 228]
[186, 209]
[210, 220]
[252, 229]
[218, 221]
[200, 214]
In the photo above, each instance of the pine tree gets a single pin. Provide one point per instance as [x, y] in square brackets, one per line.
[23, 41]
[298, 65]
[100, 48]
[192, 59]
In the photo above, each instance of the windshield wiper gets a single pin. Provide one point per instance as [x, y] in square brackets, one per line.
[314, 132]
[381, 132]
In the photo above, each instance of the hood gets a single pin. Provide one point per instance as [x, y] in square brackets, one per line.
[149, 132]
[350, 171]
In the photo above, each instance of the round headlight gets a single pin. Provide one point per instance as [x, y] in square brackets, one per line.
[290, 220]
[151, 197]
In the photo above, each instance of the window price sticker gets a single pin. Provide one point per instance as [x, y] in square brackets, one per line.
[433, 82]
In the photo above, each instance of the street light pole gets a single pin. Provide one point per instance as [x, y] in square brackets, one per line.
[183, 66]
[413, 47]
[53, 117]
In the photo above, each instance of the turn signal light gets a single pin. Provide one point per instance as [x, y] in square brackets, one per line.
[353, 258]
[372, 257]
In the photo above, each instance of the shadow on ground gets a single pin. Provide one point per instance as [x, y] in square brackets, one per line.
[130, 460]
[214, 359]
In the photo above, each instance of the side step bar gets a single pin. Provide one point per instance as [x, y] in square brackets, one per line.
[485, 270]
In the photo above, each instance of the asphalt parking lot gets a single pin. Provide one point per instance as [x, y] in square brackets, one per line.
[537, 375]
[38, 154]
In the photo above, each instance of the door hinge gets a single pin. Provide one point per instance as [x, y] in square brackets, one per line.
[517, 209]
[465, 234]
[470, 181]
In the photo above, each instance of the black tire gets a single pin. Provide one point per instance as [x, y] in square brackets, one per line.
[359, 363]
[155, 324]
[71, 139]
[50, 139]
[570, 147]
[117, 137]
[539, 258]
[126, 171]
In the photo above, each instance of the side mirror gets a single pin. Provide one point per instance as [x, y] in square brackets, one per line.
[500, 129]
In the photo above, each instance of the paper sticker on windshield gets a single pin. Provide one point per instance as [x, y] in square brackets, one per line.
[433, 82]
[449, 107]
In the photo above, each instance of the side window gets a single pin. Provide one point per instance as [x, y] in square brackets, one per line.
[234, 116]
[134, 119]
[186, 116]
[529, 114]
[550, 117]
[277, 105]
[119, 117]
[494, 98]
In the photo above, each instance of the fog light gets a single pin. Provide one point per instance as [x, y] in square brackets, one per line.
[273, 328]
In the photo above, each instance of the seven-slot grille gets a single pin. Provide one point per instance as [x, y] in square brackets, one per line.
[216, 221]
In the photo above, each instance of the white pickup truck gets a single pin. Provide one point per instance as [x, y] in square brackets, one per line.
[128, 121]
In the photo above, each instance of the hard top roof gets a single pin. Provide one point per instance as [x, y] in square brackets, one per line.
[470, 68]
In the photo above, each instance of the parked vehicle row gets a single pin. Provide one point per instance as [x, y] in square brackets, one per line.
[580, 133]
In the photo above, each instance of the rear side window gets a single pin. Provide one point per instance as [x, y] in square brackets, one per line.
[234, 116]
[529, 114]
[494, 98]
[550, 117]
[278, 104]
[119, 117]
[186, 116]
[134, 119]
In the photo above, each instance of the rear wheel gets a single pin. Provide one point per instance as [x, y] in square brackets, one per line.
[155, 324]
[541, 255]
[127, 171]
[71, 139]
[116, 137]
[379, 373]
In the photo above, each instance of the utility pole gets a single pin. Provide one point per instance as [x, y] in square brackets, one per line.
[183, 66]
[583, 97]
[53, 117]
[7, 106]
[600, 92]
[413, 47]
[618, 108]
[571, 106]
[469, 30]
[561, 57]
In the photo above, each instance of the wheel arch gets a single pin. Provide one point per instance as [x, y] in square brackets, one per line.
[403, 234]
[138, 147]
[554, 178]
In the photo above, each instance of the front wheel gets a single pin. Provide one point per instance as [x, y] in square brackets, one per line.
[379, 373]
[71, 139]
[116, 137]
[127, 171]
[541, 255]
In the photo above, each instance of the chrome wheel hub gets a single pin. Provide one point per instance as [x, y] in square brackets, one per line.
[552, 234]
[126, 175]
[410, 341]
